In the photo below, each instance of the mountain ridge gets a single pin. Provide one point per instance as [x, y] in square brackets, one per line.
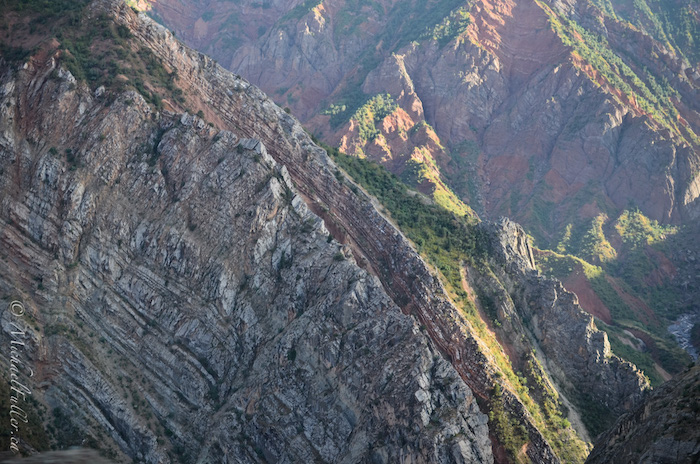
[180, 233]
[588, 122]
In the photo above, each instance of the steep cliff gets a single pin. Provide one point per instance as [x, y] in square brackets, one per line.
[214, 288]
[565, 116]
[664, 429]
[580, 96]
[181, 301]
[574, 352]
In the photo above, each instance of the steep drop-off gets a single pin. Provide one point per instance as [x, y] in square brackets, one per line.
[212, 287]
[564, 116]
[664, 429]
[568, 93]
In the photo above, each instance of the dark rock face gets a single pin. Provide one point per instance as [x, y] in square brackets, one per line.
[576, 353]
[215, 293]
[191, 306]
[664, 429]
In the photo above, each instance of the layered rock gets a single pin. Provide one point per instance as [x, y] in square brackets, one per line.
[183, 303]
[664, 429]
[572, 350]
[221, 292]
[514, 105]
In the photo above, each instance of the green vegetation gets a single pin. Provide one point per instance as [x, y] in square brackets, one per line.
[13, 54]
[417, 173]
[451, 27]
[558, 431]
[441, 20]
[348, 104]
[560, 266]
[598, 248]
[42, 15]
[557, 265]
[414, 173]
[594, 415]
[618, 69]
[416, 20]
[674, 25]
[372, 113]
[445, 238]
[448, 241]
[642, 360]
[46, 9]
[461, 169]
[96, 50]
[642, 241]
[630, 281]
[101, 52]
[514, 435]
[132, 4]
[301, 10]
[637, 230]
[633, 262]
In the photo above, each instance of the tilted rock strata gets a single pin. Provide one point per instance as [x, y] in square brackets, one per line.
[188, 292]
[534, 115]
[192, 255]
[352, 219]
[664, 429]
[576, 353]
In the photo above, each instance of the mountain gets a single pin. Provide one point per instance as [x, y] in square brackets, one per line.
[181, 300]
[577, 119]
[189, 278]
[663, 429]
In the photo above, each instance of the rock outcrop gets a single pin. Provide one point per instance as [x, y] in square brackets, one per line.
[516, 105]
[664, 429]
[556, 114]
[181, 301]
[575, 353]
[211, 288]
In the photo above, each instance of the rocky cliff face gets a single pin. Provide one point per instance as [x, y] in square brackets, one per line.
[184, 304]
[560, 115]
[574, 352]
[219, 292]
[663, 429]
[516, 101]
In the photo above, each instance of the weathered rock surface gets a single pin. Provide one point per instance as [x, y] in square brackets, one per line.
[184, 304]
[664, 429]
[516, 108]
[575, 353]
[215, 293]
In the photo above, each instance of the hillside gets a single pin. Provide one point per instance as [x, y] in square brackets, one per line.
[663, 429]
[567, 117]
[196, 280]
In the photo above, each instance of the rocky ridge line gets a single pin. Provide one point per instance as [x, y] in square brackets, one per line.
[185, 304]
[245, 111]
[376, 242]
[664, 429]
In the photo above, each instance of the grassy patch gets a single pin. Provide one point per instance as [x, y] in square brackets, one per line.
[372, 113]
[511, 434]
[448, 241]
